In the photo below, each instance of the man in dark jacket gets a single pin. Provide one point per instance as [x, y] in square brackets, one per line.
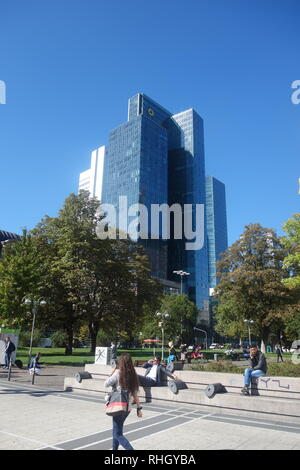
[258, 368]
[278, 351]
[9, 349]
[114, 353]
[154, 374]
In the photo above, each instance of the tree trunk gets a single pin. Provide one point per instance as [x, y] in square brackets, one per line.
[262, 346]
[264, 339]
[93, 329]
[69, 345]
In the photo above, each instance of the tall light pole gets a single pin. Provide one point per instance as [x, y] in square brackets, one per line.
[181, 274]
[203, 331]
[163, 316]
[35, 304]
[249, 331]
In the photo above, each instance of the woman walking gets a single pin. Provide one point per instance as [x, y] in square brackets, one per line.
[124, 378]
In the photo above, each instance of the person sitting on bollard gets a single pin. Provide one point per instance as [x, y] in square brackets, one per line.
[35, 365]
[154, 374]
[258, 368]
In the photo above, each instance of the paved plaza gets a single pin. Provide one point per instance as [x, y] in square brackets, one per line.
[44, 416]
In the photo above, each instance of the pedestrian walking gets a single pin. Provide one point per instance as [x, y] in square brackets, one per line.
[278, 351]
[113, 348]
[9, 349]
[258, 368]
[124, 378]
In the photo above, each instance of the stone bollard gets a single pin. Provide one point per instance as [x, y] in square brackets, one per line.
[79, 376]
[212, 389]
[176, 385]
[254, 387]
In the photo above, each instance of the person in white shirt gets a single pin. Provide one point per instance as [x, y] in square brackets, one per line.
[154, 373]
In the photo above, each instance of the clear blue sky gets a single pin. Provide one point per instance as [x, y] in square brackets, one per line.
[70, 67]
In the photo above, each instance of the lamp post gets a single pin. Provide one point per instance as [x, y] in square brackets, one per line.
[249, 322]
[163, 316]
[35, 304]
[203, 331]
[181, 274]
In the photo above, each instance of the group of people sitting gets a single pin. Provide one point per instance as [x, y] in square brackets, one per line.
[186, 353]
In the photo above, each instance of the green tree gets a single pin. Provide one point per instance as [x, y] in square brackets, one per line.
[178, 326]
[21, 274]
[251, 273]
[292, 243]
[86, 280]
[102, 283]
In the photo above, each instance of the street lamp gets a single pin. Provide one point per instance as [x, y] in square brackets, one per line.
[181, 274]
[249, 322]
[164, 316]
[203, 331]
[35, 303]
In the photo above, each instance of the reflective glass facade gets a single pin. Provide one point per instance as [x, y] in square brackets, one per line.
[187, 186]
[216, 225]
[155, 158]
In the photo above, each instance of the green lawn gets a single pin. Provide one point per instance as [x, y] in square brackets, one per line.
[80, 356]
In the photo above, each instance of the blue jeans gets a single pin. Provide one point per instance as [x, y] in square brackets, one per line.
[118, 438]
[7, 359]
[249, 373]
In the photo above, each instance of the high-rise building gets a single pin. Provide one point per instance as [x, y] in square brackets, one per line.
[157, 158]
[216, 222]
[91, 179]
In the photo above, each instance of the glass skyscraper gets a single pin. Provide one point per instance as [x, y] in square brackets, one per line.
[157, 157]
[216, 225]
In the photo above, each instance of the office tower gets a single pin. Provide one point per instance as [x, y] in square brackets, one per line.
[187, 186]
[91, 179]
[136, 166]
[216, 225]
[158, 158]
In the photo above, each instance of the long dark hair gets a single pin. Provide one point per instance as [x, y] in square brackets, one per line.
[128, 378]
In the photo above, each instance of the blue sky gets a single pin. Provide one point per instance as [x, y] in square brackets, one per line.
[70, 67]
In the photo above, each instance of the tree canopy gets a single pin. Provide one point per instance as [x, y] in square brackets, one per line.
[251, 287]
[101, 283]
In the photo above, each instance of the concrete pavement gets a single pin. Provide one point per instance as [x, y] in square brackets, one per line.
[44, 416]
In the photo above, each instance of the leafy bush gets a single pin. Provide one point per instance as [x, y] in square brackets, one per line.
[104, 339]
[282, 369]
[59, 339]
[24, 339]
[219, 366]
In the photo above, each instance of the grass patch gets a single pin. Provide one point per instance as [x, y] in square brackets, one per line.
[80, 356]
